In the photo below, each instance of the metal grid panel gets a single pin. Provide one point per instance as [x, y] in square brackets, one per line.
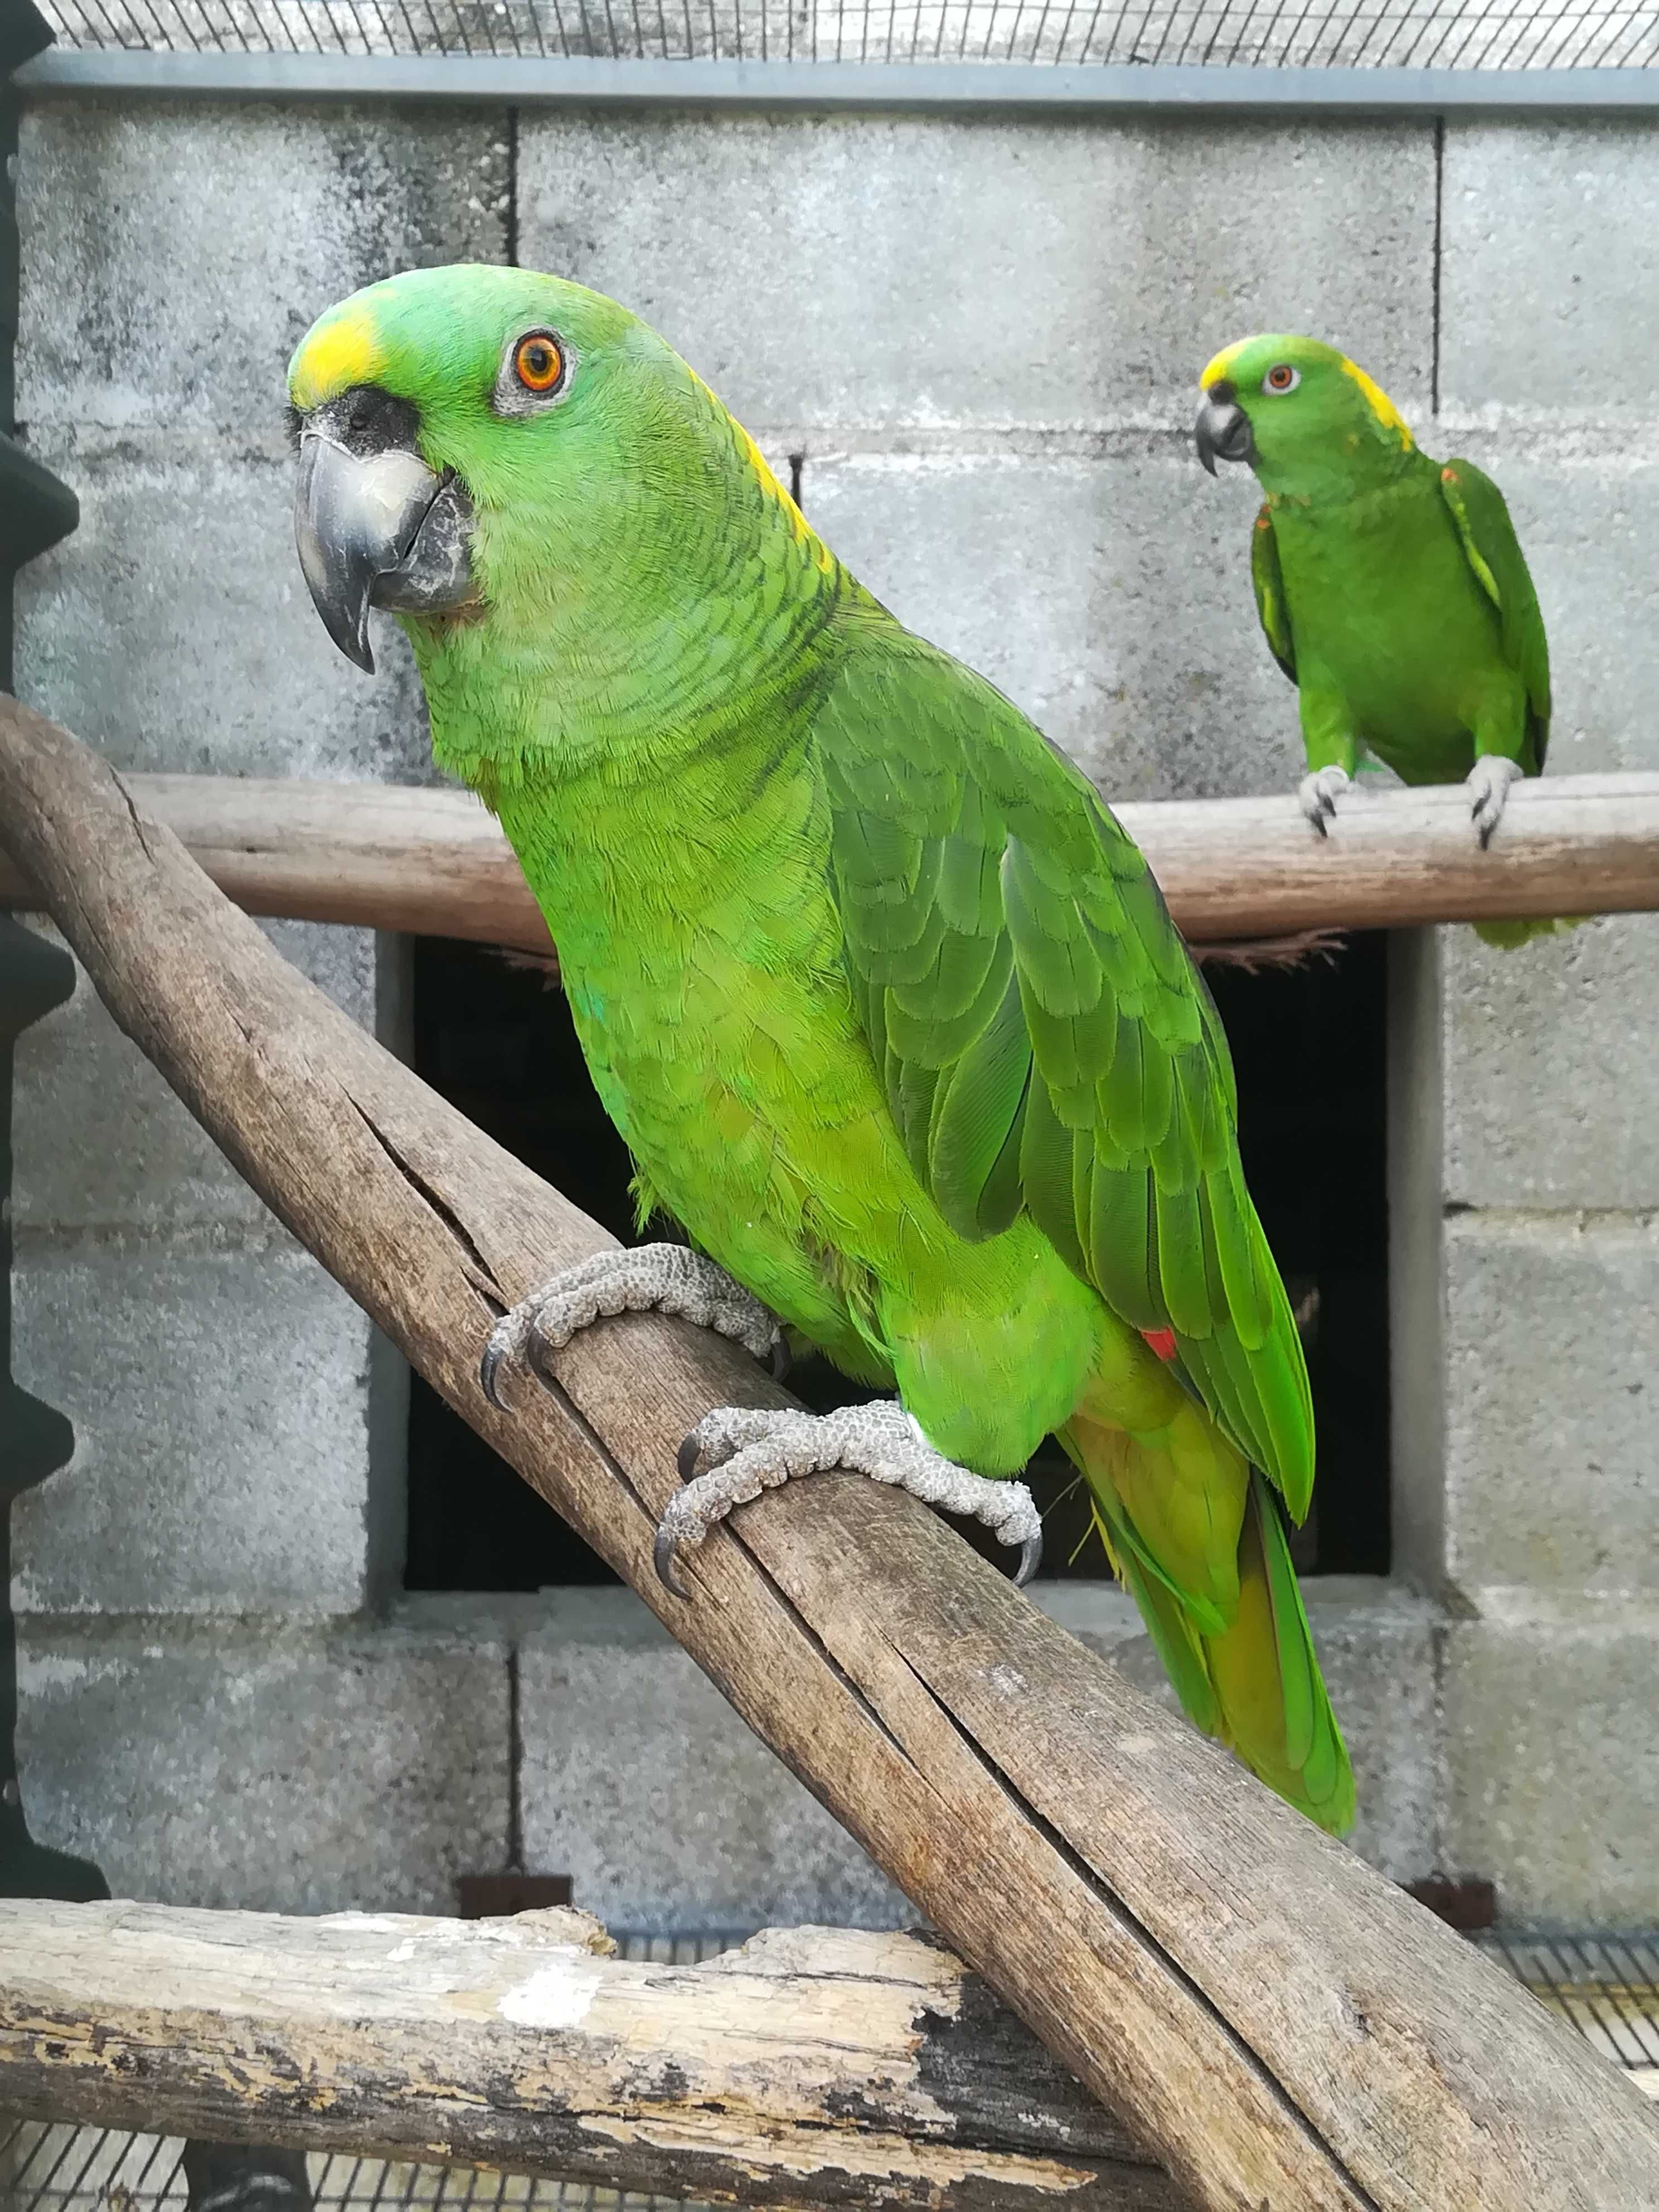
[44, 2168]
[1485, 35]
[1607, 1986]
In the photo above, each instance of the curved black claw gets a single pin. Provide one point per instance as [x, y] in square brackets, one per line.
[781, 1359]
[488, 1368]
[1030, 1559]
[662, 1558]
[686, 1458]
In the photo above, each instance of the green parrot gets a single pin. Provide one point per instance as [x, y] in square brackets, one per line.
[1391, 588]
[886, 1006]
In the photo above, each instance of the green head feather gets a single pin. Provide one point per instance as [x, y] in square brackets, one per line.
[622, 518]
[1319, 427]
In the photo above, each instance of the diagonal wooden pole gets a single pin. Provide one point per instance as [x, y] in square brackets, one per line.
[1277, 2022]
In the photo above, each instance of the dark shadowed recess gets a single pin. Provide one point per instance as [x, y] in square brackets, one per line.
[1308, 1043]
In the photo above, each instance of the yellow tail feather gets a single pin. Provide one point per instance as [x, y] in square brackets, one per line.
[1253, 1681]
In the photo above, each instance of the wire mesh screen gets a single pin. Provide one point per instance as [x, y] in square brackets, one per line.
[1440, 34]
[69, 2169]
[1607, 1986]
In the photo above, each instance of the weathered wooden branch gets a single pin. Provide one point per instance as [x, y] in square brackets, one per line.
[1231, 868]
[814, 2066]
[1279, 2023]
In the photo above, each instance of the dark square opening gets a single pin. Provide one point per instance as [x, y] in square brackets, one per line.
[1308, 1043]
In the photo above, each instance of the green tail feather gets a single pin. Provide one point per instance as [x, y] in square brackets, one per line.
[1255, 1684]
[1507, 935]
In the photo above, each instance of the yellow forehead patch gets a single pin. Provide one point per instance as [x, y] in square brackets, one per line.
[1381, 405]
[1222, 365]
[343, 350]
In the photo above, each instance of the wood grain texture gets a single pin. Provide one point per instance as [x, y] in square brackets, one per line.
[814, 2066]
[1279, 2023]
[434, 861]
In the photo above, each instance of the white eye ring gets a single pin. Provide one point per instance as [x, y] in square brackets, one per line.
[512, 396]
[1290, 377]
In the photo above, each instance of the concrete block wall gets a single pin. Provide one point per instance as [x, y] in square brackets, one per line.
[1541, 1082]
[212, 1703]
[977, 341]
[985, 336]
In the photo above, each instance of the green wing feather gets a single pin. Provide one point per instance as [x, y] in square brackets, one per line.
[1268, 579]
[1046, 1042]
[1493, 552]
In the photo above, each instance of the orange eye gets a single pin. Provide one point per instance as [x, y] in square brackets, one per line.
[539, 362]
[1281, 377]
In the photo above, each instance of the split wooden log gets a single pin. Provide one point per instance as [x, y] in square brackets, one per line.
[813, 2067]
[1231, 869]
[1279, 2023]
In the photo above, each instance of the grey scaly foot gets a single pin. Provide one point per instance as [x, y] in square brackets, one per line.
[650, 1278]
[1317, 794]
[1488, 786]
[757, 1451]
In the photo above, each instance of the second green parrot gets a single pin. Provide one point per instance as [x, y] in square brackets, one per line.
[884, 1002]
[1391, 588]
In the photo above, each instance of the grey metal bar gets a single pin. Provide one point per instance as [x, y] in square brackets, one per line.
[948, 87]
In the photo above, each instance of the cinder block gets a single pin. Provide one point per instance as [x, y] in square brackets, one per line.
[100, 1140]
[640, 1783]
[173, 630]
[1551, 1093]
[1551, 1371]
[1377, 1648]
[222, 1403]
[827, 271]
[277, 1770]
[1110, 599]
[1555, 1766]
[1548, 303]
[173, 255]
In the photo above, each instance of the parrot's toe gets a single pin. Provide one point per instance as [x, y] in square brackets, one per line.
[651, 1278]
[1316, 795]
[756, 1451]
[1488, 786]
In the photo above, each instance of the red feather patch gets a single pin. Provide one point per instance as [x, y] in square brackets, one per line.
[1162, 1341]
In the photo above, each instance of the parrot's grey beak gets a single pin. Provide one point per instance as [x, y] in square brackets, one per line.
[1223, 431]
[377, 529]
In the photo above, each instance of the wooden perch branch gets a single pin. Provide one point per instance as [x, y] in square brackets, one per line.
[1279, 2023]
[434, 861]
[814, 2066]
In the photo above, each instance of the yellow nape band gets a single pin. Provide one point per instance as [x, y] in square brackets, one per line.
[343, 350]
[1221, 366]
[1381, 405]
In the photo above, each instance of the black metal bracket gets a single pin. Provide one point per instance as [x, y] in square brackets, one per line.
[36, 507]
[36, 510]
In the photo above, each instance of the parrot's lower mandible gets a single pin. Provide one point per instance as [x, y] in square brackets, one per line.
[885, 1003]
[1391, 588]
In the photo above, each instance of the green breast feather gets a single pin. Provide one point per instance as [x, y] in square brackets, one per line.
[1496, 562]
